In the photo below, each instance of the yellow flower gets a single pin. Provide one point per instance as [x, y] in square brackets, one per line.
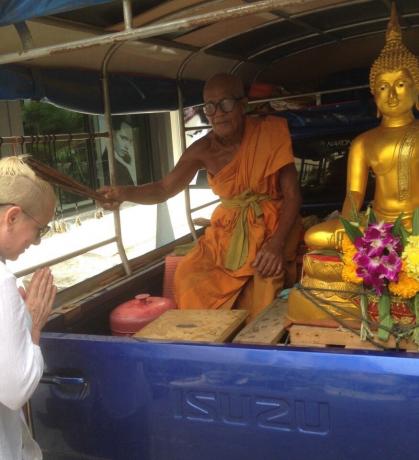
[349, 267]
[406, 287]
[411, 257]
[349, 274]
[347, 246]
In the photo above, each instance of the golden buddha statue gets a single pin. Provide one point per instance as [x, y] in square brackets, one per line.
[391, 151]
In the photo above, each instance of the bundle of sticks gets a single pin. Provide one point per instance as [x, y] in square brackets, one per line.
[61, 180]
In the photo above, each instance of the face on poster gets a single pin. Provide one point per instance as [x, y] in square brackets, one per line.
[125, 143]
[124, 148]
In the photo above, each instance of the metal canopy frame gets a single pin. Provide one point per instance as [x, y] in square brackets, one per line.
[152, 34]
[115, 40]
[147, 31]
[263, 55]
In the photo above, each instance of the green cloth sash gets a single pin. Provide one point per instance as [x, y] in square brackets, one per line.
[238, 248]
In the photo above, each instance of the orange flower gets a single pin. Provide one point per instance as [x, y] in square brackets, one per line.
[349, 274]
[347, 246]
[406, 287]
[349, 268]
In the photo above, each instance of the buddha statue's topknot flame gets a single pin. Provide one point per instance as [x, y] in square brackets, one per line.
[394, 56]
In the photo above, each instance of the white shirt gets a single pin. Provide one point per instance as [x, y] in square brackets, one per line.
[21, 367]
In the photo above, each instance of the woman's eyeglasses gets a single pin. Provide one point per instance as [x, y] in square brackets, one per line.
[226, 105]
[42, 229]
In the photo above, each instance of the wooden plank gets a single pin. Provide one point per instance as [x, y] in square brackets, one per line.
[268, 327]
[70, 312]
[194, 325]
[315, 336]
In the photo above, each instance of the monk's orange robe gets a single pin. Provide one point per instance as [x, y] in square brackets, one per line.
[201, 279]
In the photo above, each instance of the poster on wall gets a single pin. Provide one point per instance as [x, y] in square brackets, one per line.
[125, 152]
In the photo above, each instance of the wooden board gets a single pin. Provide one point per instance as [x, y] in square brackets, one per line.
[268, 327]
[314, 336]
[194, 325]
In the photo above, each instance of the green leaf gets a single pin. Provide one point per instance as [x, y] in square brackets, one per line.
[415, 222]
[397, 224]
[400, 231]
[411, 304]
[384, 312]
[354, 211]
[326, 252]
[351, 230]
[404, 236]
[372, 219]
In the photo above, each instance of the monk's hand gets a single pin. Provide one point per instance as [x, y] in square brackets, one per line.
[269, 259]
[112, 197]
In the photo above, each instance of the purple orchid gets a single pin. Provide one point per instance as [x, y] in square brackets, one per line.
[377, 258]
[371, 271]
[379, 240]
[378, 230]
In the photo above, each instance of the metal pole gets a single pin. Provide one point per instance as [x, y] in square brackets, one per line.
[150, 31]
[314, 94]
[183, 148]
[111, 153]
[203, 206]
[47, 138]
[24, 34]
[57, 260]
[127, 14]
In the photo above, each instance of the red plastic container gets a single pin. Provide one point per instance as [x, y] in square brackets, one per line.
[129, 317]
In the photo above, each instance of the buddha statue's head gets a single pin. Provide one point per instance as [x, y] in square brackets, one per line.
[395, 73]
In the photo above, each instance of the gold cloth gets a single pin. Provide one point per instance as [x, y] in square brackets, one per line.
[238, 248]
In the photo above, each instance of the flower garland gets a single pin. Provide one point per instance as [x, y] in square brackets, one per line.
[385, 258]
[349, 273]
[411, 256]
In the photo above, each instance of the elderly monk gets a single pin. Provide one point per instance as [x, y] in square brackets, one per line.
[250, 165]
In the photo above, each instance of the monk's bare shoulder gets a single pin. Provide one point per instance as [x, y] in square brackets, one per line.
[181, 175]
[198, 151]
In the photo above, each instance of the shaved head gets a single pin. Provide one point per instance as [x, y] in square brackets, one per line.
[21, 186]
[229, 83]
[224, 95]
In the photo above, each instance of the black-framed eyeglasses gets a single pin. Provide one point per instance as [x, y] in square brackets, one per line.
[226, 105]
[42, 229]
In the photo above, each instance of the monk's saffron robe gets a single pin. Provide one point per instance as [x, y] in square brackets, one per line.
[213, 274]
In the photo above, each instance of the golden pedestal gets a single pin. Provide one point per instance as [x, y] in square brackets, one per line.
[323, 296]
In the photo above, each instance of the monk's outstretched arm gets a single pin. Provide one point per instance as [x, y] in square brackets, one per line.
[269, 260]
[157, 192]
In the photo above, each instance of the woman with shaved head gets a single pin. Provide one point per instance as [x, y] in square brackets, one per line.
[26, 206]
[250, 165]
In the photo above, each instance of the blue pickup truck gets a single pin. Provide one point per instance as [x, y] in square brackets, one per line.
[109, 397]
[104, 397]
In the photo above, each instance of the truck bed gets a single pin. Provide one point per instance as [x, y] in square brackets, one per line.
[107, 397]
